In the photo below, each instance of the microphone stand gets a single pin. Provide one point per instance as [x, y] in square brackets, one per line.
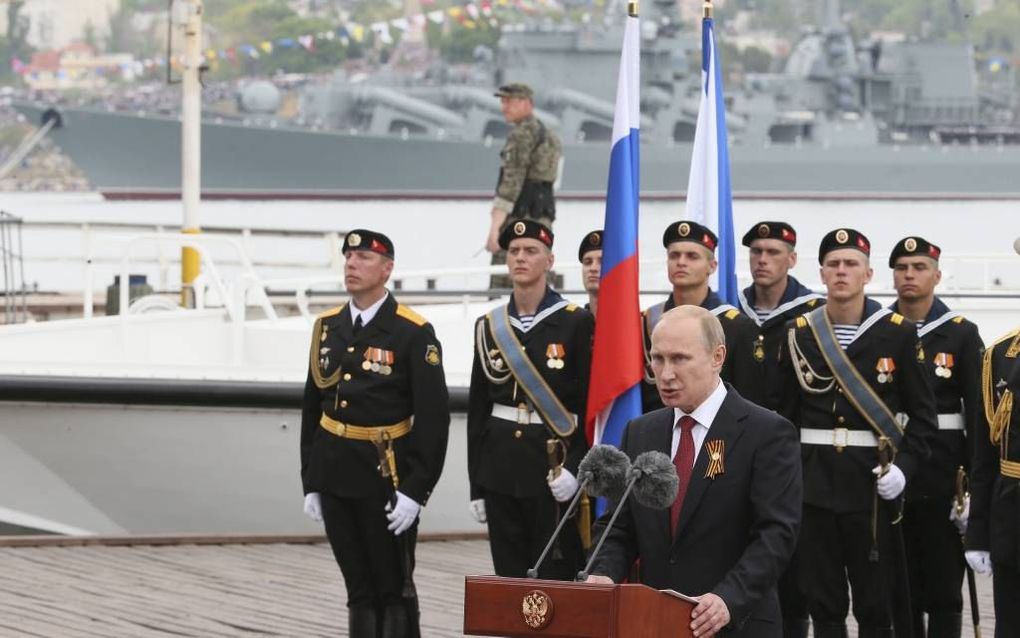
[583, 574]
[533, 572]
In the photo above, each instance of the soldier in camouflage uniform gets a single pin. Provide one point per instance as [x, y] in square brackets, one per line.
[529, 163]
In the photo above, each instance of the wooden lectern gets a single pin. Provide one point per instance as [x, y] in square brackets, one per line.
[513, 607]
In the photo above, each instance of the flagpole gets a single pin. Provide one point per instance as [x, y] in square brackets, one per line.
[708, 9]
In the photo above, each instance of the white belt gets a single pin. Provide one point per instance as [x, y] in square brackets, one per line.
[522, 416]
[840, 437]
[951, 421]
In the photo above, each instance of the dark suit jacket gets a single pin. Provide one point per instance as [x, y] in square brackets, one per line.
[736, 532]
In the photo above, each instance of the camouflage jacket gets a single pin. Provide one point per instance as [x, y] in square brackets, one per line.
[531, 152]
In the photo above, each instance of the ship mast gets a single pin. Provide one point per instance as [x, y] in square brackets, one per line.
[190, 20]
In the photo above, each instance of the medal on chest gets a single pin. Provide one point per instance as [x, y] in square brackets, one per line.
[378, 360]
[885, 367]
[943, 365]
[555, 352]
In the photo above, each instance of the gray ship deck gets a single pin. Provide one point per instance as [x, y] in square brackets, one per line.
[218, 587]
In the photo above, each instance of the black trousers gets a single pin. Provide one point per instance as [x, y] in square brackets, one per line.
[369, 555]
[1006, 594]
[835, 548]
[520, 528]
[935, 562]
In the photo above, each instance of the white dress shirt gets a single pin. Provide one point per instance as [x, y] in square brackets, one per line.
[703, 416]
[368, 313]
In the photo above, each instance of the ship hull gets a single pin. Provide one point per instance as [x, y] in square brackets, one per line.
[138, 156]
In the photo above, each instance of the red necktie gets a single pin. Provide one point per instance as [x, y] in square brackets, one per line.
[684, 462]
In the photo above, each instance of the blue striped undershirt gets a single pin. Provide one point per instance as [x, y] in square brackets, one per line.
[845, 333]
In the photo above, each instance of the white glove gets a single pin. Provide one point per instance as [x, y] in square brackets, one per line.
[960, 520]
[980, 562]
[891, 484]
[563, 486]
[313, 506]
[477, 509]
[403, 515]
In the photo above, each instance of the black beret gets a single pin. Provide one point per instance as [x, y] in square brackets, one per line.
[914, 247]
[591, 241]
[843, 238]
[526, 228]
[689, 231]
[771, 230]
[362, 239]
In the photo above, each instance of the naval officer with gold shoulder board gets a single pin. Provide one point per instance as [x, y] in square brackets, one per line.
[374, 426]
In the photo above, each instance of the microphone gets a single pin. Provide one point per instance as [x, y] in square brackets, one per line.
[658, 485]
[602, 473]
[654, 482]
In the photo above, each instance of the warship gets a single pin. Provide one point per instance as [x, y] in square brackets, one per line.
[843, 119]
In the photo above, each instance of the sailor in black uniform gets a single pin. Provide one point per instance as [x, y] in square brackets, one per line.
[855, 384]
[690, 261]
[589, 253]
[529, 387]
[931, 522]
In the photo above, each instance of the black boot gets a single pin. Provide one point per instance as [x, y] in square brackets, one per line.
[395, 622]
[865, 631]
[795, 627]
[830, 630]
[361, 622]
[944, 625]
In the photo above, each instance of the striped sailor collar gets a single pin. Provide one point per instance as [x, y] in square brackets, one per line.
[873, 313]
[938, 315]
[796, 294]
[551, 302]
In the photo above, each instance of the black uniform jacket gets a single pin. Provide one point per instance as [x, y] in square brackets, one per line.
[841, 480]
[742, 368]
[338, 386]
[796, 300]
[736, 532]
[503, 456]
[995, 499]
[951, 344]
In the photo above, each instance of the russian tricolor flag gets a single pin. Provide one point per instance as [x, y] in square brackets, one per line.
[614, 395]
[709, 197]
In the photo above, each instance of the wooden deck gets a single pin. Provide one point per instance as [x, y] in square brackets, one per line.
[204, 588]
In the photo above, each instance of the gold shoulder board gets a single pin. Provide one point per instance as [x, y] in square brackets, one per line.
[802, 321]
[896, 318]
[332, 312]
[732, 314]
[571, 307]
[958, 319]
[811, 303]
[411, 315]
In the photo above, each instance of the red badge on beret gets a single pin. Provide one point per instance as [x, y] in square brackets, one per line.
[707, 240]
[544, 237]
[377, 247]
[789, 236]
[862, 244]
[933, 251]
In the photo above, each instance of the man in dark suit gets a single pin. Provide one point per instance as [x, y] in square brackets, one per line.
[734, 524]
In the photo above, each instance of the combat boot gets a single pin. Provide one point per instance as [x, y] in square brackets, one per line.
[944, 625]
[831, 630]
[362, 622]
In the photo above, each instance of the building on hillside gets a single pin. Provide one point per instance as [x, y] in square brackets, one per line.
[77, 66]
